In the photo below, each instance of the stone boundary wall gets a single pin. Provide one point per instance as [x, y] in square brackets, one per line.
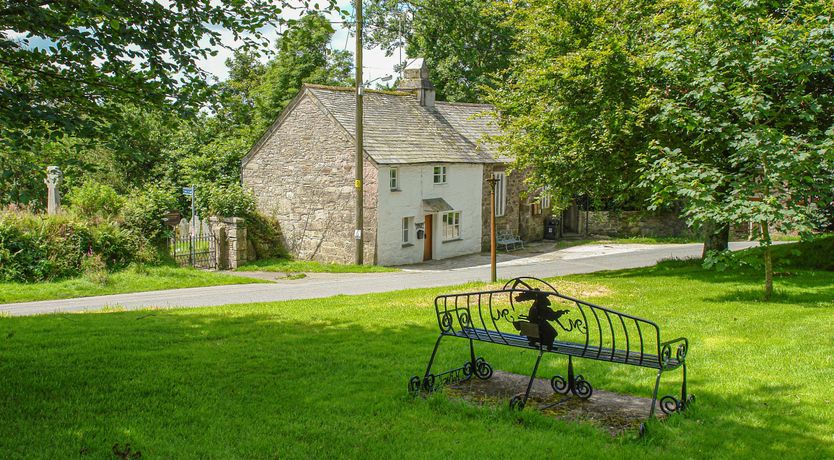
[634, 223]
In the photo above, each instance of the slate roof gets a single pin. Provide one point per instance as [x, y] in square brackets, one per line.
[398, 130]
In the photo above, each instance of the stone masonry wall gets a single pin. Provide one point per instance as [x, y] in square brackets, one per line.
[303, 175]
[517, 218]
[633, 223]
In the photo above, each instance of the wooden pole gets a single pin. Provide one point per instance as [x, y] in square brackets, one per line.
[492, 248]
[360, 249]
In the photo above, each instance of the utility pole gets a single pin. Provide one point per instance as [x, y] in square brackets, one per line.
[360, 246]
[493, 269]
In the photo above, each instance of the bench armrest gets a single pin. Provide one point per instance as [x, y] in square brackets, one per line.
[680, 352]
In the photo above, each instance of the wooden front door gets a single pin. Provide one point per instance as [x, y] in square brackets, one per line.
[427, 241]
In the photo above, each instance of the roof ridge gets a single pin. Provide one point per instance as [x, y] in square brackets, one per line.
[350, 89]
[465, 104]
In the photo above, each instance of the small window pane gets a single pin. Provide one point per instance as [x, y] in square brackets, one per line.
[451, 225]
[439, 174]
[394, 179]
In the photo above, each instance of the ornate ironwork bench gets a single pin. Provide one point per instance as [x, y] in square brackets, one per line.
[530, 313]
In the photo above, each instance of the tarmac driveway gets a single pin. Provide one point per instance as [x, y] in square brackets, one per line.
[535, 261]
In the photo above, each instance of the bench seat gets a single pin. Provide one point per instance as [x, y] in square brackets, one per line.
[579, 350]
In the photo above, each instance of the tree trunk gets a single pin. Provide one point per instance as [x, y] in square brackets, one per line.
[716, 238]
[768, 261]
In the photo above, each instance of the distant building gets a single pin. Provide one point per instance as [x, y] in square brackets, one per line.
[426, 165]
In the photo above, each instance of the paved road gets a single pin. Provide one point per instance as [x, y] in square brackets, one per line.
[583, 259]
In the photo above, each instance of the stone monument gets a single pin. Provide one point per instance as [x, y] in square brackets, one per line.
[54, 177]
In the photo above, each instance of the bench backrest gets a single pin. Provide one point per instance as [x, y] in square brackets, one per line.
[497, 315]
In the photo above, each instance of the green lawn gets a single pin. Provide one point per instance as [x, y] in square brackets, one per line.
[129, 280]
[309, 266]
[327, 378]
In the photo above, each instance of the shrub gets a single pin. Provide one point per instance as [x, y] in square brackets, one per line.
[144, 211]
[94, 199]
[95, 269]
[265, 235]
[39, 248]
[225, 201]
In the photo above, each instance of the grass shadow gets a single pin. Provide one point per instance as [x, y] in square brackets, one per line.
[320, 378]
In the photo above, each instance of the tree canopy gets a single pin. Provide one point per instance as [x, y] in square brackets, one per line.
[63, 64]
[746, 90]
[569, 102]
[134, 143]
[464, 42]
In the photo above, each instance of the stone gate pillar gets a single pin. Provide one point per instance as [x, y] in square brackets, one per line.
[230, 242]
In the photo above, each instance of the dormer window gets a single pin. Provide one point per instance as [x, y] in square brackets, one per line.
[439, 174]
[394, 179]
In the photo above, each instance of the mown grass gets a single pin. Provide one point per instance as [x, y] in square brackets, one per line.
[327, 378]
[150, 278]
[309, 266]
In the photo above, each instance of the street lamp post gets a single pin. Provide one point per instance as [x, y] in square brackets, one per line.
[493, 269]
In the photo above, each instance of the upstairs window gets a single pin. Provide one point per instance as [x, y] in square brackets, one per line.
[394, 179]
[546, 200]
[439, 174]
[451, 225]
[500, 194]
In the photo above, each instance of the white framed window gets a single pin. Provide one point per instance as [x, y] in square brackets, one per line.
[394, 178]
[500, 193]
[451, 225]
[439, 174]
[407, 223]
[545, 200]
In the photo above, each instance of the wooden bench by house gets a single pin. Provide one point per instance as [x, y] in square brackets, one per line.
[530, 313]
[509, 242]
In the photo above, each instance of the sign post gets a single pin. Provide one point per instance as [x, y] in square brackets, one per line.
[189, 191]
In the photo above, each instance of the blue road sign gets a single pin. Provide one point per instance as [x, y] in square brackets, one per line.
[187, 191]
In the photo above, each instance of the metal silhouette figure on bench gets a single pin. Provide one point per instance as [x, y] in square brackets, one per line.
[540, 315]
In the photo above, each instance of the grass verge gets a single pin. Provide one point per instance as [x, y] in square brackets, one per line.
[308, 266]
[121, 282]
[327, 378]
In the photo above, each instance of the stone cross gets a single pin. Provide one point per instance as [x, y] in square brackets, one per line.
[53, 180]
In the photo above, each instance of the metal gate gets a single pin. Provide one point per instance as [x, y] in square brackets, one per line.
[193, 248]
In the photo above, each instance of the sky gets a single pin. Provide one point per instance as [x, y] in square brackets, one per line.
[375, 63]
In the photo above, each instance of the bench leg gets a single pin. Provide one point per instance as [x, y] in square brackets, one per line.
[430, 381]
[669, 404]
[427, 382]
[654, 393]
[518, 402]
[575, 384]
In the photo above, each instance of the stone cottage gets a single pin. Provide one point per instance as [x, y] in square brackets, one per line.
[425, 171]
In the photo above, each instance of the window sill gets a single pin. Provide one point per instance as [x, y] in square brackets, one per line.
[452, 241]
[408, 245]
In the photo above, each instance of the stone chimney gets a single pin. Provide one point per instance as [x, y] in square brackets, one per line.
[416, 79]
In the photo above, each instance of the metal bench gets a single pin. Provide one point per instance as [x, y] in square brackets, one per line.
[509, 242]
[520, 315]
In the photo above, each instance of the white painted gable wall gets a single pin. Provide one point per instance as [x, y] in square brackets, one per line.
[416, 182]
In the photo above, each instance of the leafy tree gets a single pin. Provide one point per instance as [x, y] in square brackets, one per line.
[569, 102]
[465, 42]
[209, 150]
[59, 60]
[745, 91]
[303, 57]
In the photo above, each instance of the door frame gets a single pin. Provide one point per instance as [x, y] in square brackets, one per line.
[428, 243]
